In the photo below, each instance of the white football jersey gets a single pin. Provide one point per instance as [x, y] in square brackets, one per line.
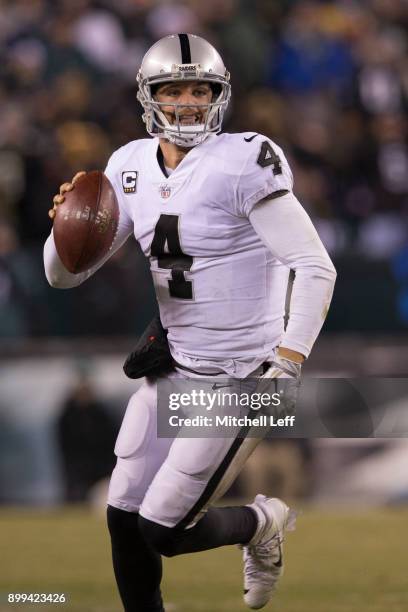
[221, 293]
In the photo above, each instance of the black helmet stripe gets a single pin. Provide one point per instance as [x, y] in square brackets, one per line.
[185, 49]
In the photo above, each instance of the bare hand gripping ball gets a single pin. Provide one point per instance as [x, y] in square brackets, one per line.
[86, 223]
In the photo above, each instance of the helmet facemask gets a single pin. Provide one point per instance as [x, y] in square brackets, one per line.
[178, 133]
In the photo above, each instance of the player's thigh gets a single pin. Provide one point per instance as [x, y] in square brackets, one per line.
[194, 475]
[140, 453]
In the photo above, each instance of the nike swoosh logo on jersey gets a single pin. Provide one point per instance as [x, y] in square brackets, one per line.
[250, 138]
[215, 386]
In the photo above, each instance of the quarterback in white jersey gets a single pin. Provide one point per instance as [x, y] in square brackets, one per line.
[217, 218]
[228, 299]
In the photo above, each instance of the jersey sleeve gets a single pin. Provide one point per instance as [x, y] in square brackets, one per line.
[57, 275]
[265, 172]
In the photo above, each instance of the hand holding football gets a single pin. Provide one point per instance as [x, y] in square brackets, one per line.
[86, 216]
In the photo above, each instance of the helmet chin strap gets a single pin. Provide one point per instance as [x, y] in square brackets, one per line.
[182, 138]
[198, 135]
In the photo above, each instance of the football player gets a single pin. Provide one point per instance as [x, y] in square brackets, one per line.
[216, 216]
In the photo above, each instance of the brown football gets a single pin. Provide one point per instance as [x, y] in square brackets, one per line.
[86, 223]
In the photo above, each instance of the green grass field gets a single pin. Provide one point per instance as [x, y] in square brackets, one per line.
[344, 562]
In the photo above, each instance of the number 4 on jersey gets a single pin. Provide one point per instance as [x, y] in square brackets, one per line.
[172, 258]
[268, 157]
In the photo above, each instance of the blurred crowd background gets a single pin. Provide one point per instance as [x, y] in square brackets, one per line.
[328, 80]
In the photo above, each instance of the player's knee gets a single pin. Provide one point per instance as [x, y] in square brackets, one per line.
[162, 539]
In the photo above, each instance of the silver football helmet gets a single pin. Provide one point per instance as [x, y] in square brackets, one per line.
[181, 57]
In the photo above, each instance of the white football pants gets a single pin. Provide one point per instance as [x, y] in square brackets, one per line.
[170, 481]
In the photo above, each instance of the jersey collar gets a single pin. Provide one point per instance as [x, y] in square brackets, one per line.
[186, 166]
[160, 159]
